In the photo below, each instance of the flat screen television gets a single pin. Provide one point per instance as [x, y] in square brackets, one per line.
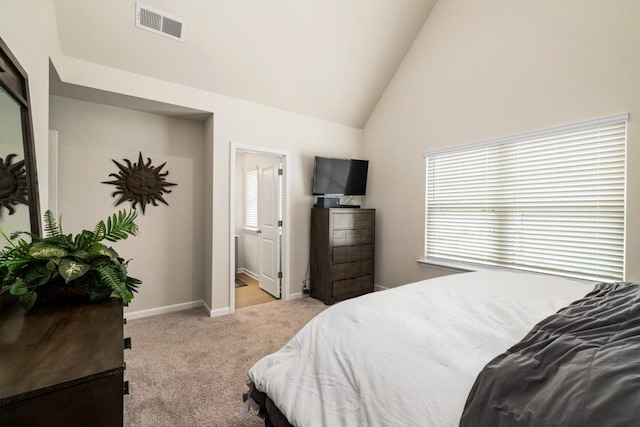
[339, 177]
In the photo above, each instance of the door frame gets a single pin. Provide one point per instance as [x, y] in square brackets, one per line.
[286, 237]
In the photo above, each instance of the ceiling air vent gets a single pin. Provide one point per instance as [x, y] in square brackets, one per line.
[159, 22]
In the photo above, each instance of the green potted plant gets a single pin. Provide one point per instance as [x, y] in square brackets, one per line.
[59, 261]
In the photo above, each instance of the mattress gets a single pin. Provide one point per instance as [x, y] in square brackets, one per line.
[408, 355]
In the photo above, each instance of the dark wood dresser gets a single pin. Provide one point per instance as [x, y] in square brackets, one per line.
[342, 253]
[62, 366]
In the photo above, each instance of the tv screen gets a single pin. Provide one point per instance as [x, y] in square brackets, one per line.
[344, 177]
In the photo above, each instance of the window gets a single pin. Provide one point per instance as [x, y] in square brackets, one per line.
[251, 199]
[550, 201]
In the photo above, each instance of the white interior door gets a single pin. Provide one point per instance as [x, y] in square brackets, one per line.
[268, 228]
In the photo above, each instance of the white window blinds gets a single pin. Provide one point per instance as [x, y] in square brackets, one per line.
[251, 199]
[550, 201]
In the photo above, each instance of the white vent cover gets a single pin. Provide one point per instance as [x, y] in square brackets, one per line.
[159, 22]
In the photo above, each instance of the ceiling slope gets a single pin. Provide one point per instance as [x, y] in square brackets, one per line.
[329, 59]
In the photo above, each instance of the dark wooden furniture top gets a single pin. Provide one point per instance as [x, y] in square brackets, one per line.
[62, 356]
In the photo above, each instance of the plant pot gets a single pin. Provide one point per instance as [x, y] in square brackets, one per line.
[6, 299]
[57, 292]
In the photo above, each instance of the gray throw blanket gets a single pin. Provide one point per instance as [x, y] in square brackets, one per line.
[578, 367]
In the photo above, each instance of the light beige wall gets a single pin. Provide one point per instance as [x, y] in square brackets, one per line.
[29, 29]
[208, 211]
[246, 124]
[24, 26]
[167, 255]
[482, 70]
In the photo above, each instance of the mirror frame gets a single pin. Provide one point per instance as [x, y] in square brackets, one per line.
[13, 79]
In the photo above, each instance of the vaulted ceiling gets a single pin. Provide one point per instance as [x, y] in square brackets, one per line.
[331, 59]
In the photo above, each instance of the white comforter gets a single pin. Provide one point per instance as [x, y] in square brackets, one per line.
[407, 356]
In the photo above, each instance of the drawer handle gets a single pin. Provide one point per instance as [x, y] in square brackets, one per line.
[127, 343]
[124, 320]
[125, 388]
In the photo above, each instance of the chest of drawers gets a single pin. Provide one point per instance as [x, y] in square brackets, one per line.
[342, 253]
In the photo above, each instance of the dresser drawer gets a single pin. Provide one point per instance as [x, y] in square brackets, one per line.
[352, 237]
[353, 285]
[352, 253]
[352, 269]
[350, 220]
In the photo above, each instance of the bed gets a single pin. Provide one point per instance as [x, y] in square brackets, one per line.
[470, 349]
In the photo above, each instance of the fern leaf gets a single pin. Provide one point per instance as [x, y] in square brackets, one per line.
[132, 283]
[16, 263]
[6, 238]
[14, 245]
[84, 240]
[98, 233]
[118, 287]
[120, 225]
[51, 227]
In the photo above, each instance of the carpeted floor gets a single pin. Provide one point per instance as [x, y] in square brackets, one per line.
[187, 369]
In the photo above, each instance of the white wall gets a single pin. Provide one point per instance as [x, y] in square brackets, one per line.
[482, 70]
[208, 212]
[167, 254]
[243, 123]
[29, 29]
[24, 26]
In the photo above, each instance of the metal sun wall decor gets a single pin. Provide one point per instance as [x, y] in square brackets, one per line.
[140, 183]
[13, 183]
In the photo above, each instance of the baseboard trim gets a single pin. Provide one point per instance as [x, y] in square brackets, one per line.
[248, 273]
[163, 310]
[219, 312]
[297, 295]
[195, 304]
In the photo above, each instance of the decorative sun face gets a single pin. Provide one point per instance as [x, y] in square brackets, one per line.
[140, 183]
[13, 183]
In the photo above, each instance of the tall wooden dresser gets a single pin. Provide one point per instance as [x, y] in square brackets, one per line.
[342, 253]
[62, 366]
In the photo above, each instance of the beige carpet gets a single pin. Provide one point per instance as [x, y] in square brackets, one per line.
[187, 369]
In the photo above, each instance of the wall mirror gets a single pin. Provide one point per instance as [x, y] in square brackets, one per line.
[19, 203]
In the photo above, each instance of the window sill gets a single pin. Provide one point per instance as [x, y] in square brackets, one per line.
[455, 267]
[460, 266]
[464, 267]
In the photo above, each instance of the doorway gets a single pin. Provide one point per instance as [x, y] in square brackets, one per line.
[258, 226]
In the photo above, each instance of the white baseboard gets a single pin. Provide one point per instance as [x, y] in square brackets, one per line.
[377, 288]
[297, 295]
[248, 273]
[219, 312]
[193, 304]
[163, 310]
